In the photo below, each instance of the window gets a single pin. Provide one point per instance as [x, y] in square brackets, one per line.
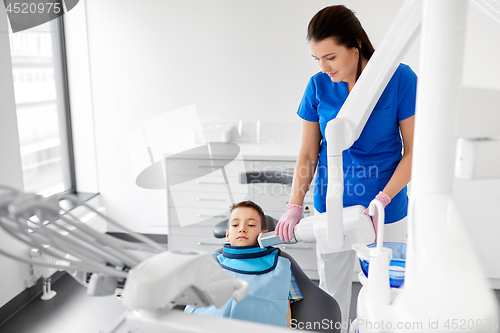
[40, 87]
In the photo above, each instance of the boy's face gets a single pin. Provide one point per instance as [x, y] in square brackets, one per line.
[244, 227]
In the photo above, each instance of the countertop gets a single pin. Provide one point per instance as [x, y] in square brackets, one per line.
[267, 151]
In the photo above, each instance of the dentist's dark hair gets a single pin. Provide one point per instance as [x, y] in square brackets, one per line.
[340, 23]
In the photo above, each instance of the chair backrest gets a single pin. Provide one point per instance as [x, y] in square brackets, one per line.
[221, 227]
[318, 311]
[317, 305]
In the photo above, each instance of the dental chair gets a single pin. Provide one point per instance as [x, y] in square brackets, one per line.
[317, 311]
[317, 308]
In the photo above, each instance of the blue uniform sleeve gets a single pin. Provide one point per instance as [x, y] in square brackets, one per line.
[309, 103]
[407, 93]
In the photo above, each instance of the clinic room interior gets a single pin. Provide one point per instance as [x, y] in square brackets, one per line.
[94, 102]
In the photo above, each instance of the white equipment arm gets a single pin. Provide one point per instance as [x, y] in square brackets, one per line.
[180, 277]
[346, 128]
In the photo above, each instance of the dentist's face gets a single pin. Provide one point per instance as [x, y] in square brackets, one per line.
[339, 62]
[244, 227]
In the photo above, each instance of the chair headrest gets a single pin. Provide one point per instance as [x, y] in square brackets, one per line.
[221, 227]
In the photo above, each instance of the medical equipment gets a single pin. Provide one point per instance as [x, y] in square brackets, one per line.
[47, 225]
[396, 266]
[437, 245]
[441, 267]
[156, 279]
[357, 228]
[379, 257]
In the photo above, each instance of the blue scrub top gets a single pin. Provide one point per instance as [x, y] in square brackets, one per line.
[372, 159]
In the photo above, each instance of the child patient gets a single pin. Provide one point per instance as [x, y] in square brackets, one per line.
[272, 285]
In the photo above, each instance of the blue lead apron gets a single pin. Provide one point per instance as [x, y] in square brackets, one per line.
[269, 277]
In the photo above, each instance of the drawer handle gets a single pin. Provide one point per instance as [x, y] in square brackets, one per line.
[209, 166]
[210, 243]
[209, 199]
[286, 202]
[210, 183]
[296, 248]
[208, 215]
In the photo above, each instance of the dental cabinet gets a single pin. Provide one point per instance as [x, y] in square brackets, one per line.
[203, 183]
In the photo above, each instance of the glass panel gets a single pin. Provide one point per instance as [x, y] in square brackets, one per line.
[41, 108]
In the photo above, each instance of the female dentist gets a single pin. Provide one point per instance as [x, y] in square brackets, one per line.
[375, 166]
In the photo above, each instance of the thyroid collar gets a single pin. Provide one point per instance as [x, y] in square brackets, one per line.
[249, 259]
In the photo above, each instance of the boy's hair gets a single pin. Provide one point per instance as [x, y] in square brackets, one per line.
[253, 205]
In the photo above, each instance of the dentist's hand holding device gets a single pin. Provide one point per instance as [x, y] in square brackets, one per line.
[284, 228]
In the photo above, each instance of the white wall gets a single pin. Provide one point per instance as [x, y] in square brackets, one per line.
[12, 273]
[475, 200]
[481, 51]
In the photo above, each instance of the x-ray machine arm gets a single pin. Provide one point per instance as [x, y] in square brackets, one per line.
[339, 228]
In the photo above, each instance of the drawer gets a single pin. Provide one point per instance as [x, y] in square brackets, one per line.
[303, 253]
[202, 167]
[273, 189]
[202, 217]
[283, 166]
[275, 214]
[204, 244]
[209, 184]
[272, 203]
[192, 230]
[309, 200]
[196, 201]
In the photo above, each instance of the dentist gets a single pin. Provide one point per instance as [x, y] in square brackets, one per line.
[378, 165]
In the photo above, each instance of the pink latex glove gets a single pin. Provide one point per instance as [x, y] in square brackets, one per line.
[385, 200]
[288, 221]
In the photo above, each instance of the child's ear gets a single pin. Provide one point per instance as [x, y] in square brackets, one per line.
[227, 235]
[264, 231]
